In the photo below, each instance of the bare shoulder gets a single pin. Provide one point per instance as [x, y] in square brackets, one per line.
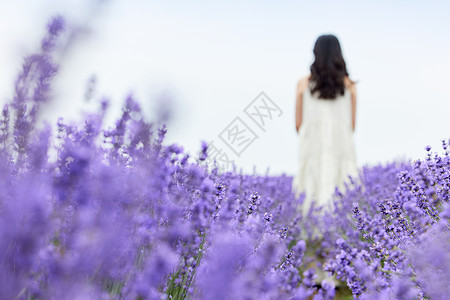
[350, 84]
[303, 83]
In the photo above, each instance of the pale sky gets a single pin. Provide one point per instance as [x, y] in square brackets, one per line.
[212, 59]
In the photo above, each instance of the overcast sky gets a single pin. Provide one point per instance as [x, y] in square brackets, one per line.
[212, 59]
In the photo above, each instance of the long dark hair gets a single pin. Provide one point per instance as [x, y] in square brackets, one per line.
[328, 69]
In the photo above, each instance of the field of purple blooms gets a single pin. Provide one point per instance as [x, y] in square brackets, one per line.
[118, 214]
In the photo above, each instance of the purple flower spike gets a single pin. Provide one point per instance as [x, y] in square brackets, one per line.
[114, 213]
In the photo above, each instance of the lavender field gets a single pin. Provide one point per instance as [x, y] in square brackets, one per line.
[116, 213]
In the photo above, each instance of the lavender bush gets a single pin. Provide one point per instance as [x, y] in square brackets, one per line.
[114, 213]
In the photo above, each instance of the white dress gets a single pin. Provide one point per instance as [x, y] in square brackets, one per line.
[326, 153]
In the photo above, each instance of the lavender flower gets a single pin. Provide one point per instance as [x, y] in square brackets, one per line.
[120, 214]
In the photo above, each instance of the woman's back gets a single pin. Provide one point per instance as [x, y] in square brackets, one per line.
[327, 126]
[326, 149]
[325, 119]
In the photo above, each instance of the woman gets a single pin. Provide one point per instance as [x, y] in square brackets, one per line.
[325, 116]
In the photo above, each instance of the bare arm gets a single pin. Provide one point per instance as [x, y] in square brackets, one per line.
[299, 105]
[353, 97]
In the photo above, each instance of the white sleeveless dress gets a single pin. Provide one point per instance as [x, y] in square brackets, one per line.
[326, 153]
